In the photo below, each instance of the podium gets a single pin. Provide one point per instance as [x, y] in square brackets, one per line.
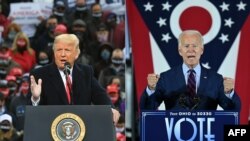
[185, 125]
[68, 123]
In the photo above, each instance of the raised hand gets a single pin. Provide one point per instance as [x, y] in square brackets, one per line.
[152, 80]
[35, 88]
[228, 84]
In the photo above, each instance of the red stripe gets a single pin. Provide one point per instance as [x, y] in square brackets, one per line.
[242, 82]
[141, 49]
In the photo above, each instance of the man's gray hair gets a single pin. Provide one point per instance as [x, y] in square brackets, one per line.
[190, 32]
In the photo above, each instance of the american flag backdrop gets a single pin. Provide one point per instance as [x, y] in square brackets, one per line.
[225, 25]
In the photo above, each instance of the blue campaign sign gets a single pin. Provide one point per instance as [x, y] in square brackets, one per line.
[185, 125]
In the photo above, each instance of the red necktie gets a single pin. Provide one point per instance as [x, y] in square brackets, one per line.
[68, 87]
[191, 84]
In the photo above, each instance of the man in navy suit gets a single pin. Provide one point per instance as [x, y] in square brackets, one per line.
[171, 87]
[48, 83]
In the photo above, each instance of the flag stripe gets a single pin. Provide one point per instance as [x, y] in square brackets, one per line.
[242, 73]
[140, 48]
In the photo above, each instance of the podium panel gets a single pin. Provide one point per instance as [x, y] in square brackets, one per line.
[96, 123]
[185, 125]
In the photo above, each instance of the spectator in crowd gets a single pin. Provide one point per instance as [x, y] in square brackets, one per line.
[115, 6]
[80, 11]
[10, 33]
[100, 37]
[7, 130]
[22, 52]
[42, 59]
[18, 103]
[79, 28]
[116, 68]
[59, 12]
[96, 18]
[6, 62]
[12, 86]
[18, 73]
[116, 31]
[46, 38]
[4, 21]
[104, 56]
[3, 108]
[60, 29]
[116, 80]
[4, 89]
[114, 94]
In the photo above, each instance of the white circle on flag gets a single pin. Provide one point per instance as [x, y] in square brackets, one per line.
[216, 18]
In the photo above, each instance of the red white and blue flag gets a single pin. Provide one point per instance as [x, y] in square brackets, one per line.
[225, 25]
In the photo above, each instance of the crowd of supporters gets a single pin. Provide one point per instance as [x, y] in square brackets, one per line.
[99, 25]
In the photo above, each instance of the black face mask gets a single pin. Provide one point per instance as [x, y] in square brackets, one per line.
[3, 73]
[51, 28]
[21, 49]
[117, 61]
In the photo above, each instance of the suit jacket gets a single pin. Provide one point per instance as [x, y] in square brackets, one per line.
[171, 88]
[86, 89]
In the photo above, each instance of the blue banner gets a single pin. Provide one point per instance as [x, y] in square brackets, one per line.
[185, 125]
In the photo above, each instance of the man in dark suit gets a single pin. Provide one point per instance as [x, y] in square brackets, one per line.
[178, 91]
[49, 85]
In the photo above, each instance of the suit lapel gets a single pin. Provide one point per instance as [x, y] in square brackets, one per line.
[180, 79]
[58, 83]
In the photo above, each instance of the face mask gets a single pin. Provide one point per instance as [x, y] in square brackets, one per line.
[12, 35]
[81, 8]
[51, 28]
[119, 130]
[12, 89]
[59, 14]
[102, 37]
[3, 73]
[114, 99]
[79, 34]
[105, 54]
[21, 43]
[117, 61]
[18, 80]
[24, 88]
[4, 62]
[5, 128]
[43, 61]
[97, 15]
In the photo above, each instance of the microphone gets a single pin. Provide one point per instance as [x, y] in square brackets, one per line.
[196, 102]
[67, 68]
[66, 71]
[189, 103]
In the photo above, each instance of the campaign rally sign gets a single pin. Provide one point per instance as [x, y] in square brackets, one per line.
[25, 13]
[185, 125]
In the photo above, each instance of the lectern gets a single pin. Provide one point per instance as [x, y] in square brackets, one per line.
[69, 123]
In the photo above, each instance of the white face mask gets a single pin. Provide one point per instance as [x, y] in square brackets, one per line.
[119, 130]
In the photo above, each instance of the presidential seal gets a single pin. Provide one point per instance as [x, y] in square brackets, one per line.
[68, 127]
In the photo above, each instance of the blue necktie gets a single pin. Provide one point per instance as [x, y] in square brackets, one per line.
[191, 84]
